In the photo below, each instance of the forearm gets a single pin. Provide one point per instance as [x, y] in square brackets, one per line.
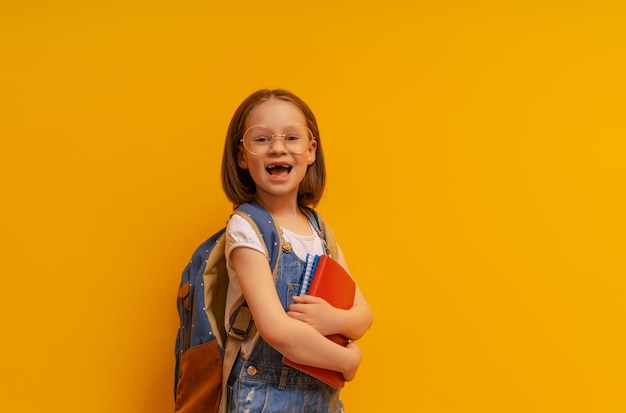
[303, 344]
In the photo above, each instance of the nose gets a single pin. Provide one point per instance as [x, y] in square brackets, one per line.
[282, 147]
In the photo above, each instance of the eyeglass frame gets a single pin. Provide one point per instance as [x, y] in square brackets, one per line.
[273, 136]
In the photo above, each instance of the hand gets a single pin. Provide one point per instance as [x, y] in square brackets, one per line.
[316, 312]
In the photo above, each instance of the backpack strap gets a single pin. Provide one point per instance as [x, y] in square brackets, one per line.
[242, 324]
[325, 232]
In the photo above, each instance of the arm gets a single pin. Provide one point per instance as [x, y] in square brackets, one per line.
[352, 323]
[298, 341]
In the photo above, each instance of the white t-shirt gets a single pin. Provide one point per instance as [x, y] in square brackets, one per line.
[239, 233]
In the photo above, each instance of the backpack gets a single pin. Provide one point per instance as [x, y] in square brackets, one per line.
[205, 352]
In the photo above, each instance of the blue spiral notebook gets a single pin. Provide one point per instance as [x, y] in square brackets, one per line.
[309, 270]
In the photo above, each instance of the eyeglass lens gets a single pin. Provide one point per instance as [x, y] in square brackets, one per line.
[259, 139]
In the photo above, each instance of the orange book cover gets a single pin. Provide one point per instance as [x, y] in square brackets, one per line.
[332, 283]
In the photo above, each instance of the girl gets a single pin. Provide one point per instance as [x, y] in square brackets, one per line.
[273, 156]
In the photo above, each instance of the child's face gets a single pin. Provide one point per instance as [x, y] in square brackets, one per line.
[279, 171]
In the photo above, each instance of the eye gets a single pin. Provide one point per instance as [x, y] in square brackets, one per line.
[292, 137]
[261, 138]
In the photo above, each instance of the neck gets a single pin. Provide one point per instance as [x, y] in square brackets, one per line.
[287, 214]
[282, 208]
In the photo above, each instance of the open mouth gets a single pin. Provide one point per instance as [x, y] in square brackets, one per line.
[278, 170]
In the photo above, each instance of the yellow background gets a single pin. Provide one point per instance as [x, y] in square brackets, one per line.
[476, 182]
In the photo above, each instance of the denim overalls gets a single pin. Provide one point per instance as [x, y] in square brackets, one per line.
[263, 383]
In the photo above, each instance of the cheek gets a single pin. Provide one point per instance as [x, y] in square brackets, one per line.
[252, 163]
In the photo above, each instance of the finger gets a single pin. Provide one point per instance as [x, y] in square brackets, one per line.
[299, 298]
[295, 308]
[294, 315]
[306, 299]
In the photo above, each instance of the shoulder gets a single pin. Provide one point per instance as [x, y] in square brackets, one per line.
[240, 233]
[237, 223]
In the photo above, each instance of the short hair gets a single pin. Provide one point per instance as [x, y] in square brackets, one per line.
[237, 182]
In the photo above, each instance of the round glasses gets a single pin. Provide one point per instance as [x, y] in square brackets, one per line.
[296, 138]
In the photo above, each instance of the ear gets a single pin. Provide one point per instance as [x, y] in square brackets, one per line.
[310, 156]
[241, 160]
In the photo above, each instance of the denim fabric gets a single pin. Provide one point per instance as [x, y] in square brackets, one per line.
[263, 383]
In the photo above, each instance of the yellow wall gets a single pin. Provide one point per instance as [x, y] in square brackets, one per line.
[476, 181]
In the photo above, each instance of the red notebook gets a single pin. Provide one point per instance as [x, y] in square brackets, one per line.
[331, 282]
